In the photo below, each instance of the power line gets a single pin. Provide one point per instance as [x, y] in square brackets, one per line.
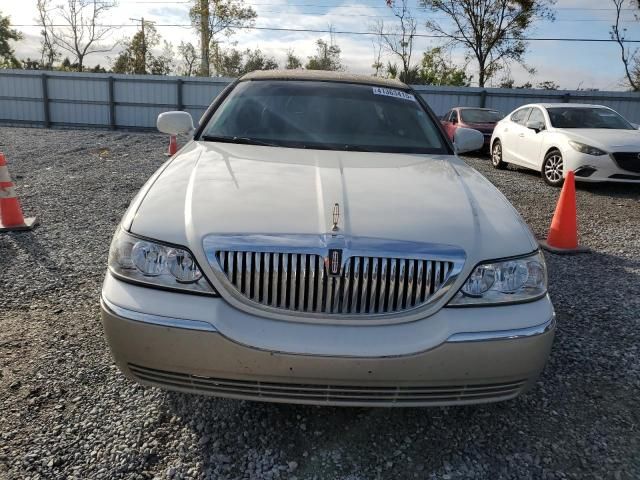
[347, 32]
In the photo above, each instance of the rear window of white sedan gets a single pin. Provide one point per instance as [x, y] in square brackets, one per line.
[325, 115]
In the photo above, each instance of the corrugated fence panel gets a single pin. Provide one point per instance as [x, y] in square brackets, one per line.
[198, 93]
[138, 116]
[21, 111]
[61, 88]
[86, 99]
[20, 98]
[78, 114]
[149, 92]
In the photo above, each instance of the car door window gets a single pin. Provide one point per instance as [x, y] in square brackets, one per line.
[537, 116]
[454, 117]
[519, 116]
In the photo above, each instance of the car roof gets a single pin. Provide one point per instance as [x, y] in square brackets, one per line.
[476, 108]
[564, 105]
[323, 76]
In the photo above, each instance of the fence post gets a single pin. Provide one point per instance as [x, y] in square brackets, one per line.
[112, 104]
[483, 98]
[179, 104]
[566, 97]
[45, 101]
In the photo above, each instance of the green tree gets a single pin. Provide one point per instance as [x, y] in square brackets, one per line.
[234, 63]
[292, 62]
[493, 32]
[327, 57]
[29, 64]
[548, 85]
[213, 17]
[7, 34]
[435, 69]
[137, 57]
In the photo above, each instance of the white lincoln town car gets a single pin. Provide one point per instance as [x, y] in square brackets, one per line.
[319, 241]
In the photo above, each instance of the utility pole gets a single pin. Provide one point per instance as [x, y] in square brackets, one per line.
[142, 62]
[204, 38]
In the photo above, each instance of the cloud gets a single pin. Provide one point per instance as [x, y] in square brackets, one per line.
[592, 65]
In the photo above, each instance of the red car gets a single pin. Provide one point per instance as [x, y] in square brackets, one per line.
[482, 119]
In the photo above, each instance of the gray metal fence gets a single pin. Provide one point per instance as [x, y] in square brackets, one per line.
[67, 99]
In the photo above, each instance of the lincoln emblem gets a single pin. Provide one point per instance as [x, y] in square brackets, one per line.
[336, 217]
[334, 261]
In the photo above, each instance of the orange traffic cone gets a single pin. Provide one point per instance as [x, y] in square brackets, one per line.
[563, 233]
[11, 217]
[173, 146]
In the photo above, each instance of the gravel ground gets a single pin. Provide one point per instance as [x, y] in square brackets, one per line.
[67, 412]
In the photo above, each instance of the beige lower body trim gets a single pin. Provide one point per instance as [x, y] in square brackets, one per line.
[208, 363]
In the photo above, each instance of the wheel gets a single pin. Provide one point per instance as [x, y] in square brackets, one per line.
[496, 156]
[552, 169]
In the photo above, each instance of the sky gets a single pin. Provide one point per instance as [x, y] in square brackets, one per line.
[570, 65]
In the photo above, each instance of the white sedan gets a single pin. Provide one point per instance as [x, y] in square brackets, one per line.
[592, 140]
[319, 241]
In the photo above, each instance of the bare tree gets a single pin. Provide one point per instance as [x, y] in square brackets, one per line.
[492, 31]
[398, 39]
[377, 65]
[189, 58]
[83, 33]
[627, 55]
[49, 51]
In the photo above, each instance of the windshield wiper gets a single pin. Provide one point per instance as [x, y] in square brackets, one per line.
[239, 140]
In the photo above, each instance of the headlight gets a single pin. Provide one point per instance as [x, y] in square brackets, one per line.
[154, 264]
[506, 281]
[588, 149]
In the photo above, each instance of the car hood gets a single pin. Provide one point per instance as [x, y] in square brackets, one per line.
[215, 188]
[605, 138]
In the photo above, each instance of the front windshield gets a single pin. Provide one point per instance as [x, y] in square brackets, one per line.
[480, 116]
[587, 117]
[325, 115]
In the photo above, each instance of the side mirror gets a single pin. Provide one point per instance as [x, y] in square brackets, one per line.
[467, 140]
[535, 125]
[175, 123]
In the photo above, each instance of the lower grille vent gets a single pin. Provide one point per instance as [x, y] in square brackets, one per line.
[329, 394]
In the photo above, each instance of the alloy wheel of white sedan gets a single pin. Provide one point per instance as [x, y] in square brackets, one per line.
[496, 156]
[553, 169]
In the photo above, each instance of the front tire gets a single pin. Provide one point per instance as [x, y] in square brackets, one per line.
[496, 156]
[553, 169]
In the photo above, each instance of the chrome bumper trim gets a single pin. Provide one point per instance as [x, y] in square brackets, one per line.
[504, 334]
[157, 319]
[207, 327]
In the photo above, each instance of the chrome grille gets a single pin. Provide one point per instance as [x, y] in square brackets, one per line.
[300, 282]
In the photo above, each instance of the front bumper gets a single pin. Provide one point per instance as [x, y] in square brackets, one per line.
[476, 367]
[591, 168]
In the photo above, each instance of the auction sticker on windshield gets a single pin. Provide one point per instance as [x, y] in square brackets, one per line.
[390, 92]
